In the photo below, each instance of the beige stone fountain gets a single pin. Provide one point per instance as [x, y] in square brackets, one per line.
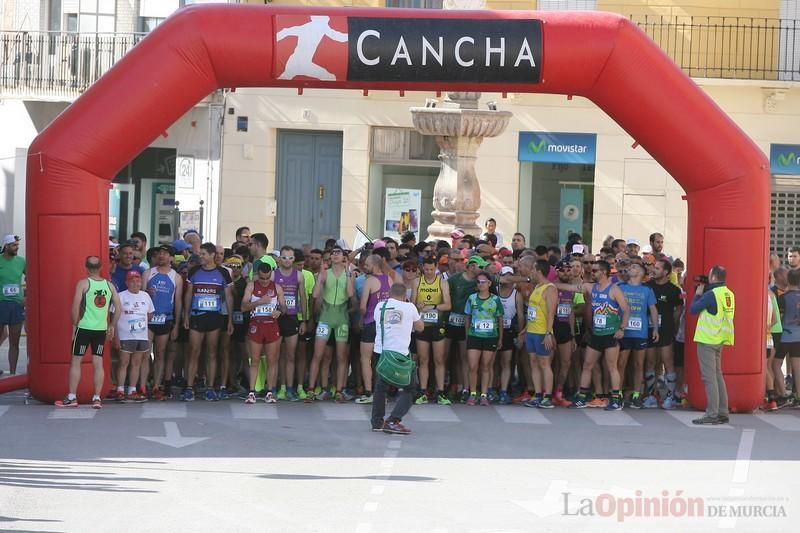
[459, 127]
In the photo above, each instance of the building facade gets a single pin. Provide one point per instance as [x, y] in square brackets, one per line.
[307, 167]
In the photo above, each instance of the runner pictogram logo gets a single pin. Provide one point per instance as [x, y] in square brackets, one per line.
[311, 47]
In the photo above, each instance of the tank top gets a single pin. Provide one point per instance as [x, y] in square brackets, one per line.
[290, 285]
[606, 317]
[564, 309]
[509, 309]
[161, 288]
[375, 297]
[536, 314]
[430, 293]
[262, 314]
[94, 306]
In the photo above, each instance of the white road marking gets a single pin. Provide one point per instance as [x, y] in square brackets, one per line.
[377, 490]
[4, 409]
[164, 410]
[364, 527]
[370, 507]
[434, 413]
[243, 411]
[521, 415]
[391, 453]
[395, 444]
[72, 413]
[602, 417]
[174, 438]
[343, 413]
[686, 417]
[784, 422]
[743, 455]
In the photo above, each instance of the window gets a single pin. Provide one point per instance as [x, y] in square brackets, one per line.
[403, 145]
[97, 16]
[567, 5]
[418, 4]
[148, 24]
[54, 16]
[784, 225]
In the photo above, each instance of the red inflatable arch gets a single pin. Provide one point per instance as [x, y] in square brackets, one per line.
[600, 56]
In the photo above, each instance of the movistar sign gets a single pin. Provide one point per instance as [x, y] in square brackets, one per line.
[552, 147]
[784, 158]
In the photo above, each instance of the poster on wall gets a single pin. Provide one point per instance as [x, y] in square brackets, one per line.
[401, 213]
[571, 213]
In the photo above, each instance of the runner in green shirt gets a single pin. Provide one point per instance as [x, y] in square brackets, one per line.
[12, 303]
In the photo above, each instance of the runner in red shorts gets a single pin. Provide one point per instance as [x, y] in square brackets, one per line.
[265, 302]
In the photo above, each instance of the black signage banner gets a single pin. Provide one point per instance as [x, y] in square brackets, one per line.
[476, 51]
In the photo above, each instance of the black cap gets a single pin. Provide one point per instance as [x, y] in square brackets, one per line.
[408, 236]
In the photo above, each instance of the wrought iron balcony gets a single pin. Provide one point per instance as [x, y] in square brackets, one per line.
[57, 65]
[729, 47]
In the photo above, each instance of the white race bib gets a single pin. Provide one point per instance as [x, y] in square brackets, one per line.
[599, 321]
[506, 323]
[291, 302]
[10, 291]
[659, 321]
[431, 317]
[634, 324]
[483, 325]
[238, 317]
[159, 320]
[531, 313]
[136, 325]
[265, 310]
[208, 303]
[323, 330]
[457, 320]
[563, 310]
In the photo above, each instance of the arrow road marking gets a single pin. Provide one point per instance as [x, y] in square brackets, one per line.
[174, 437]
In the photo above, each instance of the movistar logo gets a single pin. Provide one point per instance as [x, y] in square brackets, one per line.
[557, 148]
[787, 160]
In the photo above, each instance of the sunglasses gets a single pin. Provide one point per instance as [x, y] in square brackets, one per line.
[337, 252]
[235, 267]
[410, 269]
[587, 262]
[483, 281]
[287, 258]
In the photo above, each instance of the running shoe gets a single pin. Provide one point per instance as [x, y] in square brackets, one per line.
[158, 395]
[323, 396]
[668, 403]
[578, 403]
[614, 405]
[563, 402]
[137, 397]
[636, 402]
[281, 393]
[211, 395]
[784, 401]
[523, 397]
[650, 402]
[309, 398]
[504, 398]
[347, 396]
[465, 396]
[364, 399]
[706, 420]
[187, 395]
[224, 394]
[485, 400]
[291, 396]
[66, 402]
[395, 427]
[492, 395]
[597, 403]
[301, 393]
[270, 398]
[723, 419]
[545, 403]
[442, 399]
[97, 403]
[251, 398]
[533, 402]
[422, 400]
[472, 400]
[339, 398]
[119, 396]
[770, 406]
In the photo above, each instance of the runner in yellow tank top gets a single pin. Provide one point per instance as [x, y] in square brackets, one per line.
[539, 340]
[432, 298]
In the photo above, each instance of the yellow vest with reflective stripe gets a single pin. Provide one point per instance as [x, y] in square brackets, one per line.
[717, 329]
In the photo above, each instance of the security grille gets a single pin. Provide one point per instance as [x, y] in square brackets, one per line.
[784, 223]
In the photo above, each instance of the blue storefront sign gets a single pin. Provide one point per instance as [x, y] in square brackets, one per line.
[784, 158]
[554, 147]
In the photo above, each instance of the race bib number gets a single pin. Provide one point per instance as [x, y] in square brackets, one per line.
[264, 310]
[457, 320]
[659, 321]
[291, 302]
[136, 325]
[208, 303]
[238, 317]
[159, 320]
[10, 291]
[600, 321]
[563, 310]
[431, 317]
[635, 324]
[506, 323]
[531, 313]
[483, 325]
[323, 330]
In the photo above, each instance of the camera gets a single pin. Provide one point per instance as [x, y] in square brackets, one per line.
[701, 279]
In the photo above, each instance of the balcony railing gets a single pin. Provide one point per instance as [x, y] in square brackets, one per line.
[56, 65]
[729, 47]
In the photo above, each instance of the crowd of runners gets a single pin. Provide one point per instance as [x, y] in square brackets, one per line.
[543, 327]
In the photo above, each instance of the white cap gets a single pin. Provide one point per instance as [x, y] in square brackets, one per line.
[633, 241]
[341, 243]
[8, 239]
[577, 249]
[506, 270]
[647, 249]
[112, 244]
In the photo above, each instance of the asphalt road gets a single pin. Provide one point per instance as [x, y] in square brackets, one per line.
[172, 466]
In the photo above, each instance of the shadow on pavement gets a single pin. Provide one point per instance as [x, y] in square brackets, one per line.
[66, 477]
[307, 477]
